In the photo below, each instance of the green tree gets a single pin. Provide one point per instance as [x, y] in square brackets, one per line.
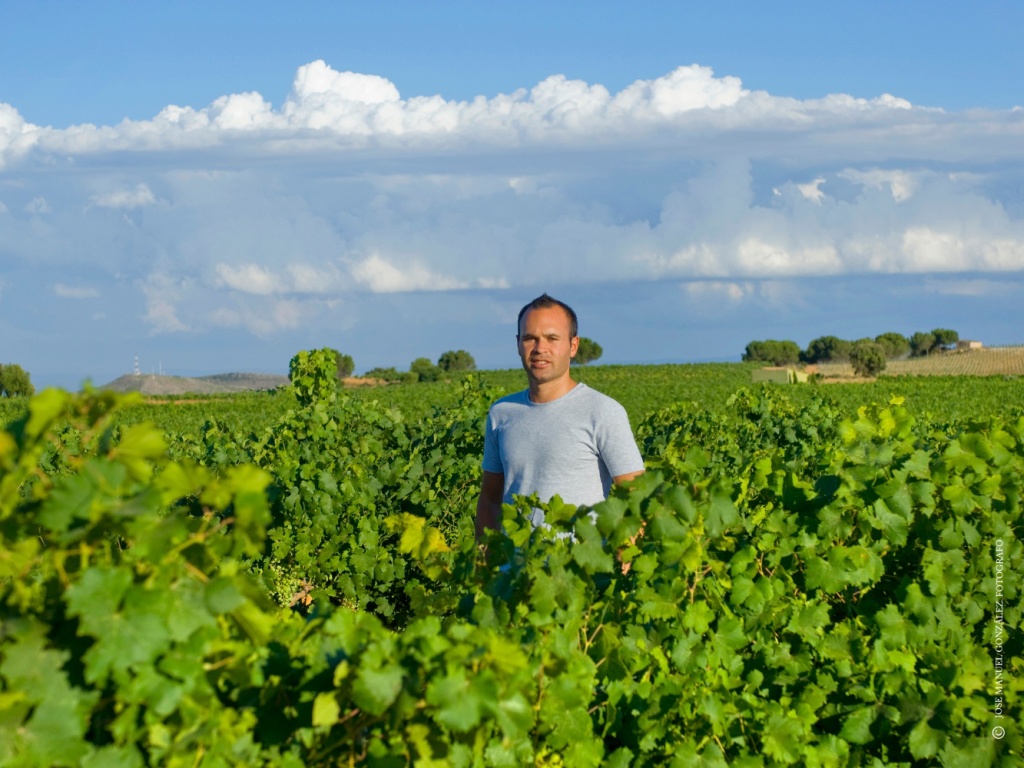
[921, 344]
[826, 349]
[587, 352]
[893, 344]
[944, 338]
[424, 370]
[772, 351]
[867, 358]
[344, 363]
[15, 381]
[456, 360]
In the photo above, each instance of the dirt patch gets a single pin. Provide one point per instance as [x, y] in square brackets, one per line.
[355, 381]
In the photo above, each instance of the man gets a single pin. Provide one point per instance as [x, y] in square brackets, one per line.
[558, 436]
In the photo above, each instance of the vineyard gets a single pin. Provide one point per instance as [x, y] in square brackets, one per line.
[993, 361]
[817, 575]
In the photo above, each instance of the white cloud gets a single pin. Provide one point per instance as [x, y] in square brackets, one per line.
[349, 109]
[162, 293]
[248, 278]
[812, 190]
[74, 292]
[270, 217]
[933, 250]
[381, 276]
[38, 206]
[901, 184]
[294, 278]
[717, 290]
[139, 197]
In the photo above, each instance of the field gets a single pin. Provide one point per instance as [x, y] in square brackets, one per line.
[826, 575]
[991, 361]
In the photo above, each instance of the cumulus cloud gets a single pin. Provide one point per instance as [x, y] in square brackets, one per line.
[268, 214]
[247, 278]
[354, 110]
[127, 199]
[901, 184]
[382, 276]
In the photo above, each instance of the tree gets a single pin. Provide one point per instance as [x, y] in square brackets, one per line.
[587, 352]
[772, 351]
[424, 369]
[459, 360]
[827, 349]
[894, 345]
[15, 381]
[345, 364]
[921, 344]
[867, 358]
[944, 338]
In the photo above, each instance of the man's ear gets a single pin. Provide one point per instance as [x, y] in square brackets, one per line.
[574, 345]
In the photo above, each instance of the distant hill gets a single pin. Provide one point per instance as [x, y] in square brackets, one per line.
[151, 384]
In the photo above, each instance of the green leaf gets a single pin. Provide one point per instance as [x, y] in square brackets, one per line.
[925, 741]
[325, 710]
[589, 551]
[721, 514]
[857, 726]
[222, 596]
[459, 705]
[97, 596]
[376, 688]
[783, 739]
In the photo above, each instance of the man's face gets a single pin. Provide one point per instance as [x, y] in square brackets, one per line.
[545, 345]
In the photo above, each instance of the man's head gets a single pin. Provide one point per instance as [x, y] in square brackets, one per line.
[544, 302]
[547, 342]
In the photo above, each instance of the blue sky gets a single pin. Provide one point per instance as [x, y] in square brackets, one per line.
[214, 186]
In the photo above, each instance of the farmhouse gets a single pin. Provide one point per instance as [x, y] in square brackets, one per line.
[778, 375]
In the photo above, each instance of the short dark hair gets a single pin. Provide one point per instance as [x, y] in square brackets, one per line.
[543, 302]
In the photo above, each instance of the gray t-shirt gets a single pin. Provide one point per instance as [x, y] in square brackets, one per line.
[572, 446]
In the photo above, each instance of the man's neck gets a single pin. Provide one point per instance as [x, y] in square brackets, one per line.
[546, 391]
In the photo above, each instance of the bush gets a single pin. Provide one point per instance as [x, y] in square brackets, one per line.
[424, 370]
[15, 381]
[867, 358]
[460, 360]
[771, 351]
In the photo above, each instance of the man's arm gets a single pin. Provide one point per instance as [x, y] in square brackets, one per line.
[632, 540]
[488, 506]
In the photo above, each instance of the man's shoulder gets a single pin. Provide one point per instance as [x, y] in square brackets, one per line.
[516, 398]
[597, 400]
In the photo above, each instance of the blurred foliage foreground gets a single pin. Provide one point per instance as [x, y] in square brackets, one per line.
[808, 587]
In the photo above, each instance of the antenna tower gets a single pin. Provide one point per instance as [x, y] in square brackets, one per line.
[135, 367]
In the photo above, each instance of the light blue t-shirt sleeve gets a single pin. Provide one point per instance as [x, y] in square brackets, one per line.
[492, 456]
[616, 445]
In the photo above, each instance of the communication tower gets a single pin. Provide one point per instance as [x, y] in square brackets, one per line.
[135, 367]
